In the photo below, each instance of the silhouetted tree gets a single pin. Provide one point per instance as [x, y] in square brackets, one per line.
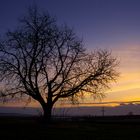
[48, 62]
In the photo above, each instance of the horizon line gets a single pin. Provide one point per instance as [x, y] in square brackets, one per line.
[115, 102]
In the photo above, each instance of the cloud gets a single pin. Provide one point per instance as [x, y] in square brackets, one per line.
[127, 87]
[129, 56]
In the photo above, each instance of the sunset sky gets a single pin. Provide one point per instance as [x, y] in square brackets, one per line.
[111, 24]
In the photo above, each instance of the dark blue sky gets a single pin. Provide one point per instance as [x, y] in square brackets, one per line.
[100, 22]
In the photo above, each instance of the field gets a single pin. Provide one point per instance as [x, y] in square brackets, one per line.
[100, 128]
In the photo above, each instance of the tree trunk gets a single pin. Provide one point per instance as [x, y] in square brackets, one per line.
[48, 113]
[47, 109]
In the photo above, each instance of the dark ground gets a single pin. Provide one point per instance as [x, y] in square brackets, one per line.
[99, 128]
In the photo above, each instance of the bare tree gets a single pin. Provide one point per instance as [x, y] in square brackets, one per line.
[48, 62]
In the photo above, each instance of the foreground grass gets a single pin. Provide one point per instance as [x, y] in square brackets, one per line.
[26, 128]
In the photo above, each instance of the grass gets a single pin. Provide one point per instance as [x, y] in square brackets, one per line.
[30, 128]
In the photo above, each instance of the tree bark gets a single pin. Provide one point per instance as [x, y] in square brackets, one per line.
[47, 112]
